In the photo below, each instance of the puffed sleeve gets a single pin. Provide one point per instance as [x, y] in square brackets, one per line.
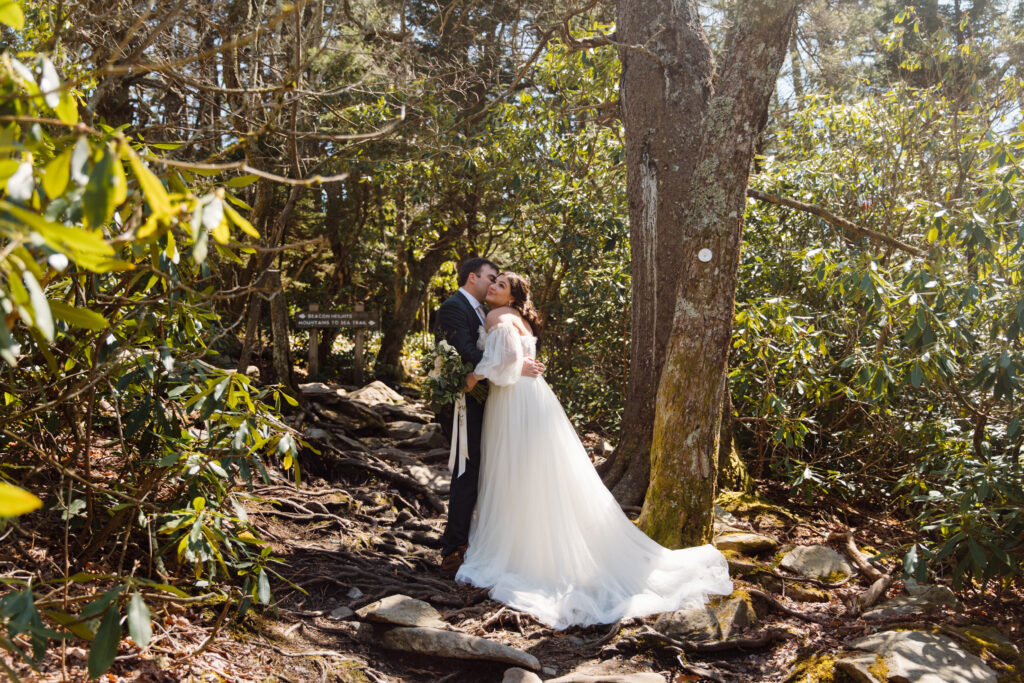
[502, 363]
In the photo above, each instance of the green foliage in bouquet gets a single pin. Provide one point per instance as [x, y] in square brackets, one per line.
[446, 375]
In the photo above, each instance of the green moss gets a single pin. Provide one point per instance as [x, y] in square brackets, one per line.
[750, 505]
[835, 577]
[879, 669]
[817, 668]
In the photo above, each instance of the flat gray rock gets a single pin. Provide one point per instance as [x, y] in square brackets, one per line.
[428, 439]
[402, 611]
[902, 605]
[817, 562]
[403, 411]
[377, 392]
[913, 657]
[696, 623]
[736, 612]
[405, 429]
[319, 389]
[342, 612]
[517, 675]
[745, 542]
[431, 641]
[644, 677]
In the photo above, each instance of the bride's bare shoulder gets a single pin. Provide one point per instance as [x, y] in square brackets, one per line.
[498, 315]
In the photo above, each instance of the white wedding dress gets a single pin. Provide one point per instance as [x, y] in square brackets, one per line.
[547, 537]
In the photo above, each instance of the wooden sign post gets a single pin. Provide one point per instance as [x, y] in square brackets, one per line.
[313, 319]
[357, 371]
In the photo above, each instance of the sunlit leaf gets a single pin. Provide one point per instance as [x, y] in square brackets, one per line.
[15, 501]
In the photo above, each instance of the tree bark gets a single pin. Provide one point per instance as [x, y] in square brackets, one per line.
[665, 88]
[420, 271]
[678, 510]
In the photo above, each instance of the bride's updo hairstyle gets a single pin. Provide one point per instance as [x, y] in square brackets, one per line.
[519, 288]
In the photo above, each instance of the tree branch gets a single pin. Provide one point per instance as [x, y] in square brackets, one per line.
[837, 221]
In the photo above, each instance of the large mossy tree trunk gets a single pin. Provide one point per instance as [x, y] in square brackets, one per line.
[664, 91]
[678, 510]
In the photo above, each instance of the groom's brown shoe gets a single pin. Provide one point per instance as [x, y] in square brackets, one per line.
[451, 562]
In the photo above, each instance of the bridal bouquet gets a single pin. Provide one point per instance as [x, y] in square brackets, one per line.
[446, 375]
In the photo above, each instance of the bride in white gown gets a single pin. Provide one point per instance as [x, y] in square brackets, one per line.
[547, 537]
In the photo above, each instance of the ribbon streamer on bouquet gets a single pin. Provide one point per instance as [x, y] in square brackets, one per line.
[460, 444]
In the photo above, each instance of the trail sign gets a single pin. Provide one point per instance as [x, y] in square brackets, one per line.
[312, 318]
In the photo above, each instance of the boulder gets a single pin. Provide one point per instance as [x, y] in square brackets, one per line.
[721, 619]
[817, 562]
[983, 639]
[402, 611]
[696, 623]
[913, 657]
[736, 612]
[404, 429]
[432, 641]
[903, 605]
[316, 390]
[517, 675]
[342, 612]
[643, 677]
[936, 593]
[403, 411]
[802, 593]
[745, 542]
[724, 521]
[377, 392]
[429, 439]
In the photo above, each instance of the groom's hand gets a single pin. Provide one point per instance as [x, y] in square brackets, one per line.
[532, 367]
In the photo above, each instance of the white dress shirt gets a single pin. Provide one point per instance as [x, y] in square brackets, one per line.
[477, 306]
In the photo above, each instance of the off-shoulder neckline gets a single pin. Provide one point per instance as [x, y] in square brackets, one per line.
[484, 331]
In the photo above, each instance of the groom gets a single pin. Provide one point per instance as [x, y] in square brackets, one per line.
[458, 321]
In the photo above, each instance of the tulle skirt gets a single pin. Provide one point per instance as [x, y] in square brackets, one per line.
[549, 539]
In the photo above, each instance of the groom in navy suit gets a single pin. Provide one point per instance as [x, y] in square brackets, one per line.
[458, 321]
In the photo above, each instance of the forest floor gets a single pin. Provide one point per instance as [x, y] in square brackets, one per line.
[361, 527]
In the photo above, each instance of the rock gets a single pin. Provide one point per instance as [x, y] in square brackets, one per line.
[517, 675]
[549, 671]
[429, 439]
[354, 593]
[724, 516]
[365, 418]
[724, 523]
[721, 619]
[342, 612]
[817, 562]
[937, 593]
[745, 542]
[984, 639]
[319, 389]
[402, 611]
[396, 456]
[436, 480]
[252, 371]
[903, 605]
[377, 392]
[431, 641]
[803, 593]
[696, 623]
[642, 677]
[913, 657]
[404, 429]
[403, 411]
[736, 612]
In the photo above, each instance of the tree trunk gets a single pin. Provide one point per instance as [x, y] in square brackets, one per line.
[279, 326]
[678, 510]
[662, 107]
[415, 291]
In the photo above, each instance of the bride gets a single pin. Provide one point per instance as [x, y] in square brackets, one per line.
[547, 537]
